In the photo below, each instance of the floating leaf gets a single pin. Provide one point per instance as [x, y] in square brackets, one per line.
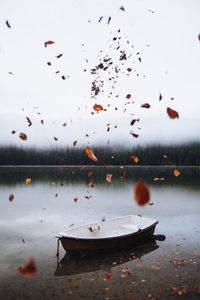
[49, 63]
[100, 19]
[122, 8]
[108, 177]
[11, 197]
[90, 154]
[135, 158]
[28, 180]
[23, 136]
[29, 268]
[172, 113]
[97, 107]
[146, 105]
[23, 241]
[142, 193]
[154, 267]
[48, 43]
[88, 197]
[64, 124]
[176, 172]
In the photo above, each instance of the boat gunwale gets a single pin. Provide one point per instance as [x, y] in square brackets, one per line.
[108, 238]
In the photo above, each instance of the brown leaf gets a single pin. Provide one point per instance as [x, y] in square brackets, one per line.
[100, 19]
[128, 96]
[75, 199]
[48, 43]
[63, 77]
[109, 19]
[90, 154]
[133, 121]
[134, 134]
[176, 172]
[172, 113]
[29, 121]
[129, 69]
[88, 197]
[49, 63]
[108, 177]
[146, 105]
[142, 193]
[92, 185]
[160, 97]
[97, 107]
[29, 268]
[199, 37]
[7, 23]
[55, 138]
[23, 241]
[122, 8]
[23, 136]
[58, 56]
[11, 197]
[74, 143]
[64, 124]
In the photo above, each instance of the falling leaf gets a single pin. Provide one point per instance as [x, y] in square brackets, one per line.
[109, 19]
[160, 97]
[97, 107]
[199, 37]
[75, 199]
[158, 179]
[122, 8]
[64, 124]
[135, 158]
[100, 19]
[56, 195]
[29, 269]
[154, 267]
[55, 138]
[48, 43]
[90, 154]
[146, 105]
[42, 122]
[58, 56]
[129, 69]
[13, 132]
[7, 23]
[128, 96]
[49, 63]
[28, 180]
[29, 121]
[142, 193]
[23, 136]
[11, 197]
[92, 185]
[23, 241]
[133, 121]
[90, 173]
[74, 143]
[88, 197]
[172, 113]
[176, 172]
[107, 275]
[63, 77]
[164, 156]
[108, 177]
[134, 134]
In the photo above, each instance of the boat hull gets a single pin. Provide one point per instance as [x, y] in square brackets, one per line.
[78, 245]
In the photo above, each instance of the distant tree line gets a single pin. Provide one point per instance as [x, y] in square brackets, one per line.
[183, 154]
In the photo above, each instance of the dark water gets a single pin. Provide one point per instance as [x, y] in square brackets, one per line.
[165, 269]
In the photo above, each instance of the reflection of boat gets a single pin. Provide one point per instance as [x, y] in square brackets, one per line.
[108, 234]
[72, 265]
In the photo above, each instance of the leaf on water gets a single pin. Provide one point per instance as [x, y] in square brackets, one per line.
[97, 107]
[56, 195]
[108, 177]
[172, 113]
[90, 154]
[92, 185]
[141, 193]
[29, 268]
[49, 63]
[135, 158]
[48, 43]
[129, 69]
[28, 180]
[176, 172]
[23, 136]
[100, 19]
[63, 77]
[199, 37]
[146, 105]
[90, 173]
[11, 197]
[154, 267]
[75, 199]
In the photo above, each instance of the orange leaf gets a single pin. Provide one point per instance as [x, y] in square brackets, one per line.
[23, 136]
[108, 177]
[154, 267]
[90, 173]
[92, 185]
[135, 158]
[142, 193]
[90, 154]
[146, 105]
[48, 43]
[11, 197]
[75, 199]
[176, 172]
[172, 113]
[97, 107]
[28, 180]
[29, 269]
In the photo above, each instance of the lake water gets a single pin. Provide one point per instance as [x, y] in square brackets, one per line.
[165, 269]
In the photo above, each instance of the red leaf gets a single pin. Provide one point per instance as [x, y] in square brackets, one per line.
[23, 241]
[90, 173]
[172, 113]
[128, 96]
[11, 197]
[23, 136]
[107, 275]
[75, 199]
[146, 105]
[97, 107]
[28, 180]
[129, 69]
[142, 193]
[29, 268]
[13, 132]
[64, 124]
[48, 43]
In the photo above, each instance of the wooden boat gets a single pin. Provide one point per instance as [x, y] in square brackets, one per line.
[107, 235]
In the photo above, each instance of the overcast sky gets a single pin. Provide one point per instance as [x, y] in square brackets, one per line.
[160, 39]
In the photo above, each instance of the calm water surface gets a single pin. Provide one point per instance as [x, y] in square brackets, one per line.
[165, 269]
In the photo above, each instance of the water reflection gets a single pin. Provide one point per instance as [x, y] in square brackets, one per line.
[73, 265]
